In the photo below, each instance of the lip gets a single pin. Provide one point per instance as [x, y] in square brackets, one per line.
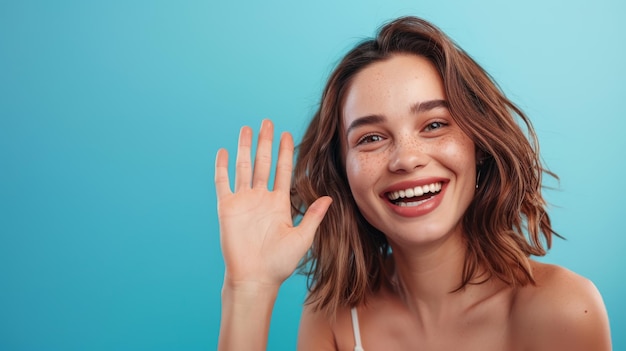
[422, 209]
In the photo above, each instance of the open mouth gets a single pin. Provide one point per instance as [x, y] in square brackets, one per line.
[414, 196]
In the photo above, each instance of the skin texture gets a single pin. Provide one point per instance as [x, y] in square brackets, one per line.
[395, 138]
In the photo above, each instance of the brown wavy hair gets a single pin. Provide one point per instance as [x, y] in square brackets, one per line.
[505, 223]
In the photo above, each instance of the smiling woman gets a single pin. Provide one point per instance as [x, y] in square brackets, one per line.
[436, 210]
[418, 148]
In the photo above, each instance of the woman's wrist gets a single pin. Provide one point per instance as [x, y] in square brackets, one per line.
[253, 291]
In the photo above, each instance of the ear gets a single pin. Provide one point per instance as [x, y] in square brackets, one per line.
[481, 156]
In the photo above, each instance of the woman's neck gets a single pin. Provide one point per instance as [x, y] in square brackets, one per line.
[427, 279]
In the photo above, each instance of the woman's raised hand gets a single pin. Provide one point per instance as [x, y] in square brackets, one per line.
[259, 242]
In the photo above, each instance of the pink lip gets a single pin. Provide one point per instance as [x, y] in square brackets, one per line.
[422, 209]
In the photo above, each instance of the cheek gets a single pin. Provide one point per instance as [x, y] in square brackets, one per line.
[459, 150]
[361, 170]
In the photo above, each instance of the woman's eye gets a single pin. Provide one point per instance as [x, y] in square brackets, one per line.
[433, 126]
[370, 138]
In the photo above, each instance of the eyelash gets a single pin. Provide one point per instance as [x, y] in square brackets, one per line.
[429, 126]
[366, 139]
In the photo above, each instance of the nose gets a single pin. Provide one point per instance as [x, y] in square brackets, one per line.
[407, 155]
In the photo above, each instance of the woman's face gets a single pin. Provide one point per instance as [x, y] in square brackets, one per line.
[411, 169]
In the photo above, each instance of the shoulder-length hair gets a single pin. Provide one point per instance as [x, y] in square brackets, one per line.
[505, 223]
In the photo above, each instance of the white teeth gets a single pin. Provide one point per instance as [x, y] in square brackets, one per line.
[419, 191]
[411, 204]
[413, 192]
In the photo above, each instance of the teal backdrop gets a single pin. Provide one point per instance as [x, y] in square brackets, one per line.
[111, 113]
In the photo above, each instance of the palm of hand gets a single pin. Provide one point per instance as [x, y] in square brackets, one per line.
[258, 239]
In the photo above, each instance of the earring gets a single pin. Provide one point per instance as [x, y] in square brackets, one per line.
[480, 168]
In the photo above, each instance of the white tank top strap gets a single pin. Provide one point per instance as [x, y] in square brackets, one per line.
[356, 330]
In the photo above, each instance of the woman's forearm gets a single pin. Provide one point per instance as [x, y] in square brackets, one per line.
[246, 314]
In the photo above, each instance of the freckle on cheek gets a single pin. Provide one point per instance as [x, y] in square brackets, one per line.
[365, 163]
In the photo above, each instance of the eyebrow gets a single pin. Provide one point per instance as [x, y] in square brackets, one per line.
[415, 109]
[362, 121]
[428, 105]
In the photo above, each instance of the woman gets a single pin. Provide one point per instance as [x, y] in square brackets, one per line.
[436, 209]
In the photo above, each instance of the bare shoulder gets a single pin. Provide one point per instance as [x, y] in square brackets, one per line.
[315, 332]
[563, 311]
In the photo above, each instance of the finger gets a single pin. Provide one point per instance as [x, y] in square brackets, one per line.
[284, 165]
[222, 183]
[263, 159]
[313, 217]
[243, 166]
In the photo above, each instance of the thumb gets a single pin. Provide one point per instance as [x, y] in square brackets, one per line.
[313, 217]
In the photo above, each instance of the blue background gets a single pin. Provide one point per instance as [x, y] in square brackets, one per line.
[111, 113]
